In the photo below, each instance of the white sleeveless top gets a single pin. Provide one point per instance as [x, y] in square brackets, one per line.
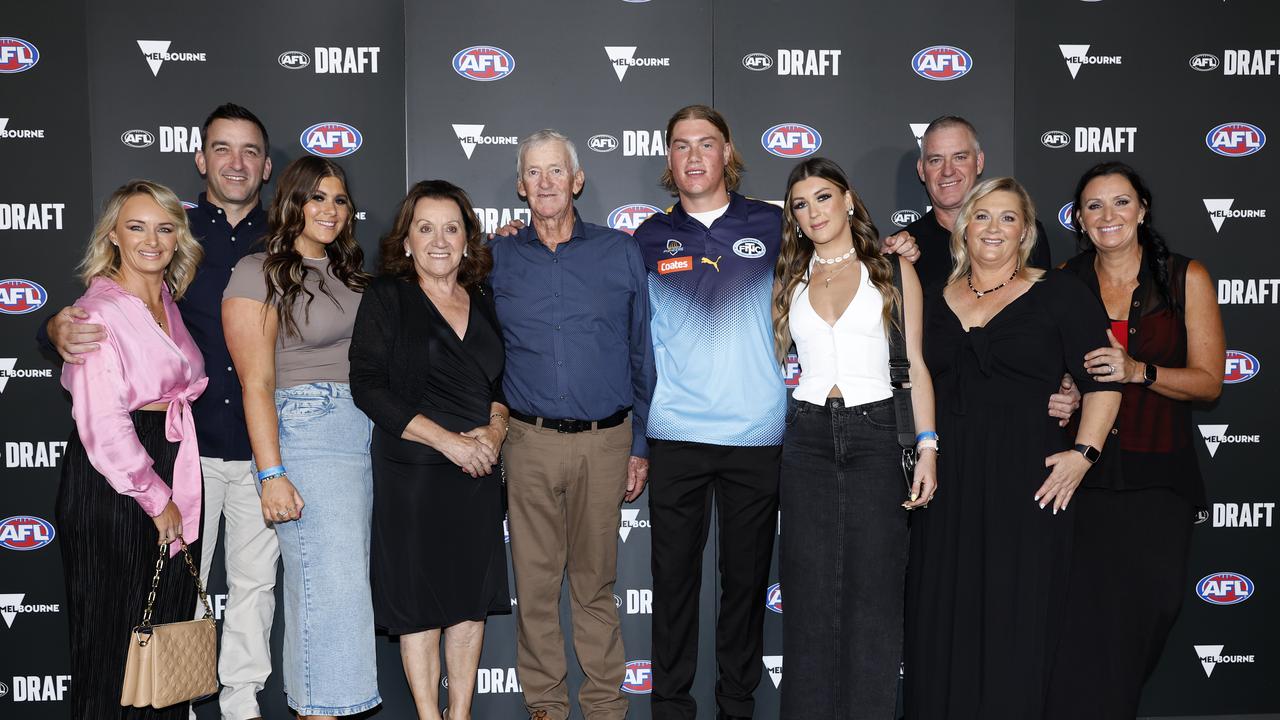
[852, 355]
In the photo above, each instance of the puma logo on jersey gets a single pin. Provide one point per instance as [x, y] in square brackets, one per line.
[713, 263]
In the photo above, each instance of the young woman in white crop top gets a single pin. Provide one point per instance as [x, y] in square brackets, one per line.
[843, 551]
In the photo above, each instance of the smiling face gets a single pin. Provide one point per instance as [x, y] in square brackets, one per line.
[996, 229]
[325, 215]
[1110, 211]
[146, 237]
[437, 238]
[234, 162]
[949, 165]
[697, 155]
[548, 181]
[821, 211]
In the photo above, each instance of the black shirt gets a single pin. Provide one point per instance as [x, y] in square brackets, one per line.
[934, 241]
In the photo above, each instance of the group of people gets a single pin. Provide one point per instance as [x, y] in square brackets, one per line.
[368, 432]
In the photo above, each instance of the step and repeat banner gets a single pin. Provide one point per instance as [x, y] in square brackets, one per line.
[92, 94]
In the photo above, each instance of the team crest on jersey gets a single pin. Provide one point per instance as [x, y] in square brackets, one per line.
[674, 246]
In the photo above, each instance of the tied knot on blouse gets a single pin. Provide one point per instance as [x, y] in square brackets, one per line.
[974, 351]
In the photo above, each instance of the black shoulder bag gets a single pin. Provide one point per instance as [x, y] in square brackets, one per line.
[899, 379]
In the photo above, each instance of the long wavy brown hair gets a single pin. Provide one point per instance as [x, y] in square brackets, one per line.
[284, 269]
[475, 266]
[796, 253]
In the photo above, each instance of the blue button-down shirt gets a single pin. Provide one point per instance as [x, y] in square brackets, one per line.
[576, 326]
[219, 413]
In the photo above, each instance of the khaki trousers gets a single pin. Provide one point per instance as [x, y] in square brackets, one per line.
[564, 495]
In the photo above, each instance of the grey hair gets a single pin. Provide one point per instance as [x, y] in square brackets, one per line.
[543, 136]
[950, 121]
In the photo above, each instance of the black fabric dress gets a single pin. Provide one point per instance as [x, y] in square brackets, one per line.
[988, 567]
[437, 555]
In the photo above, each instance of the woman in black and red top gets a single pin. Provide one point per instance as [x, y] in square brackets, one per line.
[1136, 507]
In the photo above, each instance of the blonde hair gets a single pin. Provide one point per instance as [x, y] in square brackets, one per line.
[960, 250]
[733, 169]
[102, 258]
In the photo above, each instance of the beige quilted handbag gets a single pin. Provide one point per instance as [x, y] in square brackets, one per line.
[171, 662]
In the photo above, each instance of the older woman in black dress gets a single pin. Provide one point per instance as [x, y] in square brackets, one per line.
[426, 366]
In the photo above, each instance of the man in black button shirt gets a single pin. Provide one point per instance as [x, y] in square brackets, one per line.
[951, 161]
[228, 221]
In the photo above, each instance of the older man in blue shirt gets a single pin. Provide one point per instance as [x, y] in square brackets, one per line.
[573, 302]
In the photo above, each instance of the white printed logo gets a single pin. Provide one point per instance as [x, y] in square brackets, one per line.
[917, 130]
[1220, 209]
[624, 58]
[156, 52]
[773, 664]
[1077, 55]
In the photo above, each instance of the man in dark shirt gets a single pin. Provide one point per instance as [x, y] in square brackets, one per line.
[573, 303]
[228, 222]
[951, 161]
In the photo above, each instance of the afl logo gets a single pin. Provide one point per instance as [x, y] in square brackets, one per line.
[1055, 139]
[791, 140]
[617, 600]
[483, 63]
[1241, 367]
[941, 62]
[17, 55]
[293, 59]
[1236, 139]
[757, 62]
[137, 138]
[639, 677]
[19, 297]
[1203, 62]
[25, 532]
[603, 143]
[629, 217]
[331, 139]
[1226, 588]
[749, 248]
[773, 598]
[1066, 216]
[903, 218]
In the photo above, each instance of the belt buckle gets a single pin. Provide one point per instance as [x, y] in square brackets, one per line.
[568, 426]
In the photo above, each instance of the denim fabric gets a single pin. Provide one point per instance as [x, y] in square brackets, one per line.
[842, 561]
[328, 666]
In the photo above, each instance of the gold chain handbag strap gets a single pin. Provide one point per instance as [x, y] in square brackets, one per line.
[143, 631]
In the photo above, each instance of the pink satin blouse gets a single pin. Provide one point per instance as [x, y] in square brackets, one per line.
[138, 365]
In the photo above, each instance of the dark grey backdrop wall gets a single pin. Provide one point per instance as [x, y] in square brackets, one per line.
[94, 93]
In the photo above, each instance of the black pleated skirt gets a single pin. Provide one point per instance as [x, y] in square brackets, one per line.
[109, 556]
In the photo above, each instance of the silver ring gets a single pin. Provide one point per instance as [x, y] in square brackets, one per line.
[281, 513]
[1111, 370]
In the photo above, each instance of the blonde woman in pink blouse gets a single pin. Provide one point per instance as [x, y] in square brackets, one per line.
[131, 474]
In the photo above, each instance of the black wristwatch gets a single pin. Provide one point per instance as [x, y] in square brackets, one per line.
[1148, 375]
[1089, 452]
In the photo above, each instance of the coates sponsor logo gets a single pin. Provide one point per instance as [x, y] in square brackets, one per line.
[1253, 291]
[941, 62]
[1251, 62]
[678, 264]
[1211, 656]
[773, 666]
[1055, 139]
[602, 143]
[749, 248]
[1220, 209]
[483, 63]
[791, 140]
[331, 139]
[639, 677]
[30, 134]
[469, 136]
[629, 217]
[631, 517]
[773, 598]
[791, 371]
[1216, 435]
[624, 58]
[138, 138]
[156, 53]
[7, 371]
[1067, 216]
[1078, 55]
[19, 297]
[757, 62]
[1241, 367]
[25, 532]
[17, 55]
[1236, 139]
[1243, 515]
[1224, 588]
[26, 454]
[903, 218]
[1204, 62]
[11, 605]
[293, 59]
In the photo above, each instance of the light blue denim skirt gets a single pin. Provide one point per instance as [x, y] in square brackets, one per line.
[329, 666]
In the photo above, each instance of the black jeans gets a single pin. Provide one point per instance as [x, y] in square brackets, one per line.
[683, 478]
[843, 561]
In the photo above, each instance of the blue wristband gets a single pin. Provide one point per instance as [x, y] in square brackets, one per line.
[926, 435]
[271, 472]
